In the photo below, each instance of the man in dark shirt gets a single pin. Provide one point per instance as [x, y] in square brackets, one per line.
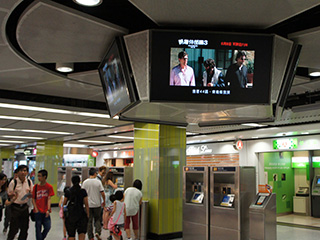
[236, 76]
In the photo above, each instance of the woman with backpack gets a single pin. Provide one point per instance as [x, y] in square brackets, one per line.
[75, 214]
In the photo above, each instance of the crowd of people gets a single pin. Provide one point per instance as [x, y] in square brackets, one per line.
[88, 208]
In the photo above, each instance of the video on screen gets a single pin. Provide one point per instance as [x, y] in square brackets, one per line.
[216, 68]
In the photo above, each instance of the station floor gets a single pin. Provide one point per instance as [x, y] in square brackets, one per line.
[283, 232]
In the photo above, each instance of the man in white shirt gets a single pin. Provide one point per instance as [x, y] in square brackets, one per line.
[182, 74]
[95, 191]
[132, 200]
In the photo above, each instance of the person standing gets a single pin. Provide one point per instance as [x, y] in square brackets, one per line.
[95, 191]
[101, 172]
[133, 200]
[76, 217]
[109, 186]
[41, 199]
[21, 188]
[236, 76]
[182, 74]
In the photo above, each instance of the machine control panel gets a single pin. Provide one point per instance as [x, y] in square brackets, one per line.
[303, 191]
[197, 197]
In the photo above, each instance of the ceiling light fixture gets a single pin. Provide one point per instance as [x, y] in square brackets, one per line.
[88, 3]
[253, 125]
[88, 141]
[35, 131]
[52, 110]
[314, 72]
[64, 67]
[54, 121]
[22, 137]
[9, 141]
[124, 137]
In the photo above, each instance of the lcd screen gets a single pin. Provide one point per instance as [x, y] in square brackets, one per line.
[208, 67]
[197, 197]
[260, 200]
[114, 77]
[318, 181]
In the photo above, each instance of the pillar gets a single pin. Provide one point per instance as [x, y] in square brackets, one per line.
[159, 157]
[49, 157]
[7, 153]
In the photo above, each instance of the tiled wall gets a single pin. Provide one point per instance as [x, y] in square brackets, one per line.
[214, 160]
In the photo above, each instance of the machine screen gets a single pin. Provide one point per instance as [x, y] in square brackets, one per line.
[227, 200]
[318, 181]
[260, 200]
[197, 197]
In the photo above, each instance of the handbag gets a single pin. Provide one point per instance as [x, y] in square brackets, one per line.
[32, 214]
[112, 225]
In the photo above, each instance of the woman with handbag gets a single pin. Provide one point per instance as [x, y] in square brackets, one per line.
[116, 222]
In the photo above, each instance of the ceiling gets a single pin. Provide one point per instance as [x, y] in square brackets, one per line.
[36, 34]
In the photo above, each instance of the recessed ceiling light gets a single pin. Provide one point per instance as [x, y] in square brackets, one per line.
[35, 131]
[9, 141]
[64, 67]
[305, 133]
[88, 3]
[314, 72]
[74, 145]
[255, 137]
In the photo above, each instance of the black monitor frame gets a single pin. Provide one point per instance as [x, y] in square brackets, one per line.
[118, 48]
[163, 41]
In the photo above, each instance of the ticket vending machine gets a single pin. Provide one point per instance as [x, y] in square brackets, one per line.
[195, 203]
[232, 190]
[263, 217]
[122, 176]
[315, 203]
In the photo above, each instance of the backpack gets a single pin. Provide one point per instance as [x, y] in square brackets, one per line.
[74, 209]
[15, 183]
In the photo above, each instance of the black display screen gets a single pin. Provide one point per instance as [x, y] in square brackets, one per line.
[210, 67]
[114, 75]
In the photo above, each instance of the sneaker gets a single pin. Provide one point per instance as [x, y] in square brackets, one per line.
[98, 236]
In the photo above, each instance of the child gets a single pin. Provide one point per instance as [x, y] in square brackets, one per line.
[118, 216]
[107, 212]
[61, 213]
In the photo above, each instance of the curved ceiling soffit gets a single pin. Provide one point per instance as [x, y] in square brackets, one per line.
[13, 23]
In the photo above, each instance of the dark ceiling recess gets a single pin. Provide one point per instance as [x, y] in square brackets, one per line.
[119, 12]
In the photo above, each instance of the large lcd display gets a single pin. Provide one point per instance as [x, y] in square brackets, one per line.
[114, 75]
[211, 67]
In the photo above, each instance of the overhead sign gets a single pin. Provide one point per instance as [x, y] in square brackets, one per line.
[289, 143]
[238, 145]
[300, 162]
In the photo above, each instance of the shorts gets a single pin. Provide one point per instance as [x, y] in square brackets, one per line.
[80, 226]
[135, 222]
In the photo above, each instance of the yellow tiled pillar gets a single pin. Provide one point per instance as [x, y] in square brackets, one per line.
[49, 157]
[159, 156]
[6, 153]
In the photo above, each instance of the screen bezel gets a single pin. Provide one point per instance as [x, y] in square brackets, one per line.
[126, 71]
[163, 41]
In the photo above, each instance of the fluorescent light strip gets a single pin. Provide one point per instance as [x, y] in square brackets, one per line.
[88, 141]
[124, 137]
[35, 131]
[74, 145]
[253, 125]
[4, 145]
[54, 121]
[22, 137]
[52, 110]
[9, 141]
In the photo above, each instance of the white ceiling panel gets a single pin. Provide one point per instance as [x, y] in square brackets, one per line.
[73, 128]
[72, 30]
[17, 112]
[63, 117]
[32, 125]
[11, 62]
[5, 123]
[249, 13]
[309, 40]
[91, 77]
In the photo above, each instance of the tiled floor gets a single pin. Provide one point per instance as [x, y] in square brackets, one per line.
[293, 219]
[283, 232]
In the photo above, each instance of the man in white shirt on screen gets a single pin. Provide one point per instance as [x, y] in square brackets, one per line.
[182, 74]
